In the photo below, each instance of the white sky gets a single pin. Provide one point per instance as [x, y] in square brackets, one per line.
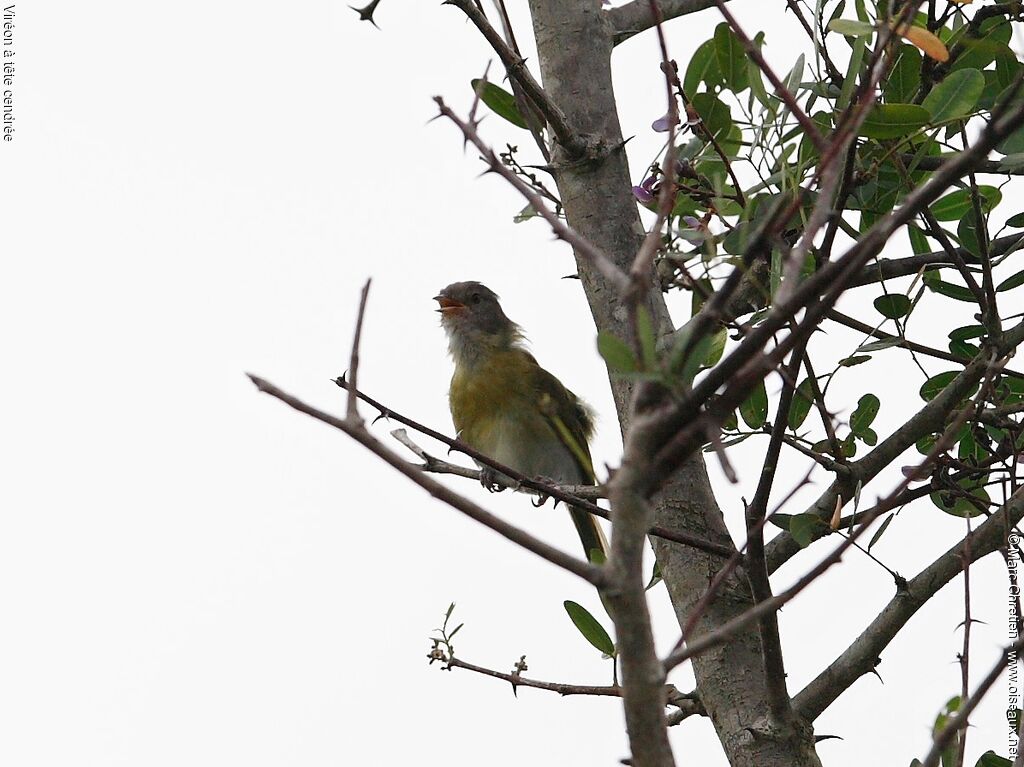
[192, 573]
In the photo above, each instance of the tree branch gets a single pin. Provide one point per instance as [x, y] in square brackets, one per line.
[958, 721]
[357, 431]
[861, 656]
[515, 65]
[519, 480]
[563, 231]
[890, 268]
[930, 418]
[638, 16]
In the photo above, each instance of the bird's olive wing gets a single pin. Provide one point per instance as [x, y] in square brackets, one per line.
[571, 419]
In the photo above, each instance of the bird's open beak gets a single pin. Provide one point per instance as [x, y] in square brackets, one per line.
[449, 306]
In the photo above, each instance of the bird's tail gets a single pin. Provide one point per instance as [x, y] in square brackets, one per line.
[591, 535]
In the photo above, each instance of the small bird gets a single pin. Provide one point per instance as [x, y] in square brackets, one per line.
[510, 408]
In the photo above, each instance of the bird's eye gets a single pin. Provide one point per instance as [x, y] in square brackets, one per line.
[475, 298]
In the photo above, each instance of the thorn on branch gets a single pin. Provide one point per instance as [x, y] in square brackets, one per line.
[366, 13]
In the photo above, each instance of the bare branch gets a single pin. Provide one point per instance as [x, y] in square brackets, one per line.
[862, 655]
[959, 720]
[358, 432]
[890, 268]
[515, 65]
[434, 465]
[643, 675]
[352, 413]
[539, 486]
[587, 250]
[930, 418]
[780, 87]
[687, 704]
[513, 678]
[638, 16]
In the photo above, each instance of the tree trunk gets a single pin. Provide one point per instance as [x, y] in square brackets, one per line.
[575, 45]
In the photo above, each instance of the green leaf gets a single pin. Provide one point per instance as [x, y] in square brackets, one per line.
[863, 416]
[955, 205]
[926, 443]
[966, 332]
[992, 759]
[732, 61]
[716, 347]
[956, 96]
[500, 101]
[645, 334]
[918, 240]
[857, 359]
[951, 707]
[754, 409]
[796, 74]
[714, 113]
[1011, 390]
[959, 292]
[1012, 144]
[588, 625]
[851, 28]
[979, 52]
[703, 68]
[694, 361]
[1016, 222]
[823, 446]
[905, 78]
[957, 505]
[894, 120]
[963, 349]
[968, 233]
[803, 398]
[848, 447]
[893, 306]
[756, 80]
[1010, 283]
[877, 346]
[525, 214]
[934, 385]
[805, 528]
[655, 577]
[879, 531]
[616, 354]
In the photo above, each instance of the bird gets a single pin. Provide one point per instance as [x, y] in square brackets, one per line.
[505, 405]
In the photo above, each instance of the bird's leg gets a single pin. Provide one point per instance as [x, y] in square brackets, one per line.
[489, 479]
[542, 498]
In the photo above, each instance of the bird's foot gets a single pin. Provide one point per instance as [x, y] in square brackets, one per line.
[542, 498]
[489, 479]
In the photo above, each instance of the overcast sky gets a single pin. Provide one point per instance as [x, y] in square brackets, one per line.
[191, 573]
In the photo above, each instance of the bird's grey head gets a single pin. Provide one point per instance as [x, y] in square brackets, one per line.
[474, 321]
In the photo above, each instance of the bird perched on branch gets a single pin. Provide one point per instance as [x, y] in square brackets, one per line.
[510, 408]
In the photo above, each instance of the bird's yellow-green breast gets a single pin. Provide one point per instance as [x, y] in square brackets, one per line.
[507, 406]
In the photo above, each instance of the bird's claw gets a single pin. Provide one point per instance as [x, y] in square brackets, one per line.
[542, 497]
[489, 479]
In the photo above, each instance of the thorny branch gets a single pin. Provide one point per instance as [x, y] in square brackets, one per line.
[520, 481]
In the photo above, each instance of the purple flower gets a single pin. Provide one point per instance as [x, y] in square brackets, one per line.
[643, 195]
[646, 192]
[662, 124]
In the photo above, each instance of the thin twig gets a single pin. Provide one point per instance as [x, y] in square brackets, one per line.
[586, 249]
[353, 366]
[358, 432]
[516, 67]
[959, 720]
[537, 485]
